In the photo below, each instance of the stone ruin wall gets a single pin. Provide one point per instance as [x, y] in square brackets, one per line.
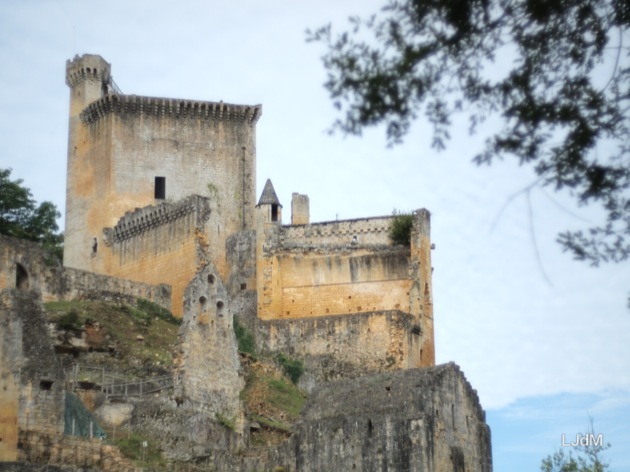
[31, 380]
[45, 275]
[32, 396]
[335, 347]
[69, 453]
[207, 364]
[415, 420]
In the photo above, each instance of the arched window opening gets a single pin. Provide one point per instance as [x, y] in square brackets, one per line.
[210, 279]
[274, 212]
[21, 277]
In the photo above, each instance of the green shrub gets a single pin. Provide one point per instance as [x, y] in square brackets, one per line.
[285, 396]
[294, 368]
[245, 339]
[132, 447]
[137, 315]
[70, 320]
[153, 310]
[400, 228]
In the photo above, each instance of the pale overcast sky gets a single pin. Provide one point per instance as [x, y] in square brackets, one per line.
[531, 333]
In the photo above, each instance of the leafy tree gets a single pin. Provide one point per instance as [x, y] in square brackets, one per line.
[564, 99]
[21, 217]
[587, 459]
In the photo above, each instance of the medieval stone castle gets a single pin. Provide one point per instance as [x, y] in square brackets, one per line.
[161, 203]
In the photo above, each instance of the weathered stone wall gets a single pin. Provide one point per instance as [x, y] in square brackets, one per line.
[157, 244]
[187, 433]
[297, 280]
[300, 209]
[406, 421]
[208, 367]
[119, 144]
[71, 453]
[367, 231]
[421, 292]
[88, 175]
[44, 274]
[9, 387]
[24, 467]
[241, 257]
[31, 380]
[241, 286]
[328, 271]
[335, 347]
[342, 282]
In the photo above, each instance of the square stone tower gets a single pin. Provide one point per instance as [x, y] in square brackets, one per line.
[127, 152]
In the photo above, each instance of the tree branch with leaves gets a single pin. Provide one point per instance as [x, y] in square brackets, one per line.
[564, 99]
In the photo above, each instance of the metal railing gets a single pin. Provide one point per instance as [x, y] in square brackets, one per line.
[113, 385]
[114, 86]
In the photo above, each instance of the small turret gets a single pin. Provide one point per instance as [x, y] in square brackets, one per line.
[89, 77]
[269, 204]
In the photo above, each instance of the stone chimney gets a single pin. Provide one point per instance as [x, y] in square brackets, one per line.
[299, 209]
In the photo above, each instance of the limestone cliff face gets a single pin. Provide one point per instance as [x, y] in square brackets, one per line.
[412, 420]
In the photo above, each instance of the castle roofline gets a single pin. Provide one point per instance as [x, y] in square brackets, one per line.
[268, 196]
[171, 107]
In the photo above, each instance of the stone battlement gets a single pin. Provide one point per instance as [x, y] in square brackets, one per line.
[367, 231]
[172, 108]
[145, 219]
[87, 67]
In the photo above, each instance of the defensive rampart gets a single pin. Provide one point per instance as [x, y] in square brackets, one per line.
[363, 231]
[25, 265]
[160, 243]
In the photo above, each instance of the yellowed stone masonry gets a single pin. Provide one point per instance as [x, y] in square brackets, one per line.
[157, 186]
[161, 204]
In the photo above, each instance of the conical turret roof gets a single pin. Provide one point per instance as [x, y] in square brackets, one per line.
[268, 196]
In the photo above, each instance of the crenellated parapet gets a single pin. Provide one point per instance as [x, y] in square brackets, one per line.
[359, 231]
[172, 108]
[142, 220]
[87, 67]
